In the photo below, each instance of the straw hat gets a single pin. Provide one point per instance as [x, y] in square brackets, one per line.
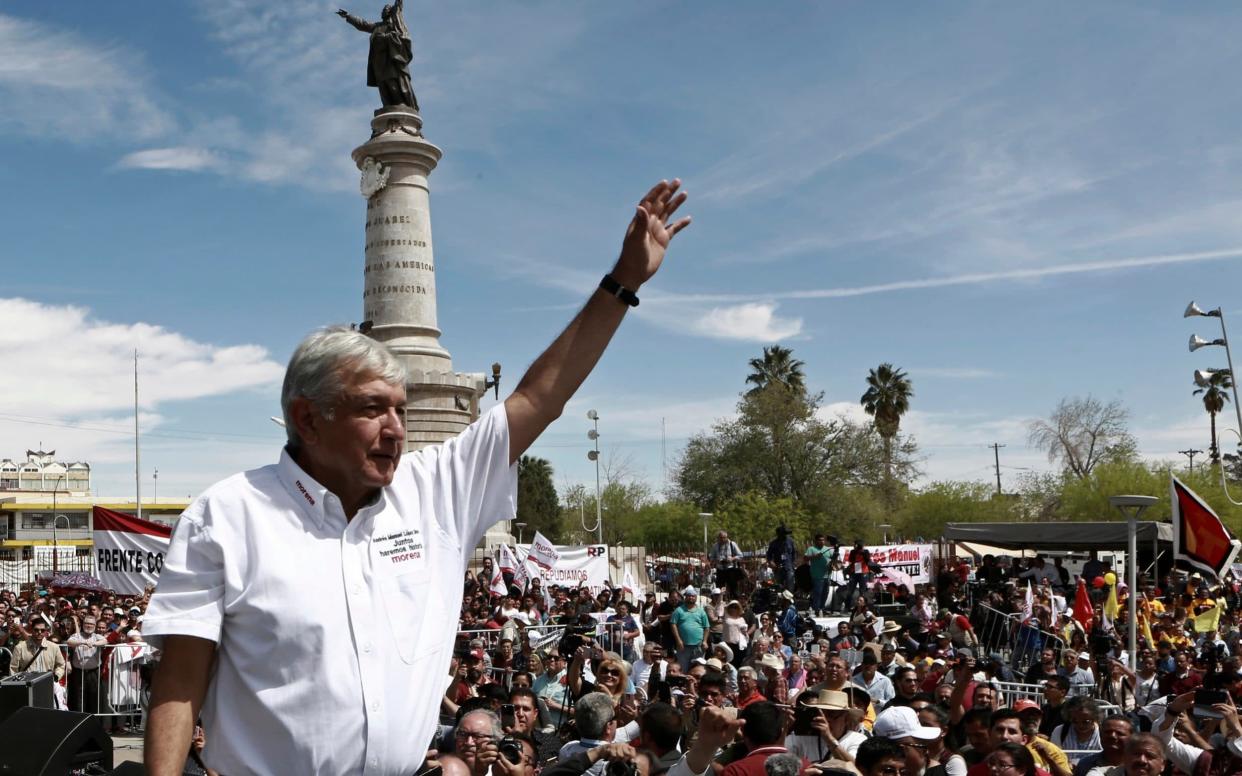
[772, 661]
[829, 699]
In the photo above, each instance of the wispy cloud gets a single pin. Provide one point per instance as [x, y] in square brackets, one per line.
[749, 322]
[179, 158]
[55, 82]
[953, 373]
[973, 278]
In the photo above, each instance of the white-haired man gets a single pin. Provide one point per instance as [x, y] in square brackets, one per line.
[308, 606]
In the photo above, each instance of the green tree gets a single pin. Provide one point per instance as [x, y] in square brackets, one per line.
[751, 519]
[887, 398]
[537, 503]
[1215, 396]
[777, 367]
[926, 511]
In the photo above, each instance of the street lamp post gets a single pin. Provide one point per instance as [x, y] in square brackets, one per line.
[705, 516]
[55, 543]
[1132, 507]
[55, 551]
[520, 526]
[593, 455]
[1203, 376]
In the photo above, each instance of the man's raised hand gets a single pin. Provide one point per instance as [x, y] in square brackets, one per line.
[649, 234]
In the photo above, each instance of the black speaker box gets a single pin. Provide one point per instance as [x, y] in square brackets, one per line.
[892, 611]
[45, 741]
[32, 688]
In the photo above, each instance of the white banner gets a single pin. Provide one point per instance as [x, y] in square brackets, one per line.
[129, 553]
[575, 567]
[913, 560]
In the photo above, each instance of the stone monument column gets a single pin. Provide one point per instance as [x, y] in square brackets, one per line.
[399, 276]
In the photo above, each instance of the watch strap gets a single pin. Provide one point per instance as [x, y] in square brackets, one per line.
[611, 286]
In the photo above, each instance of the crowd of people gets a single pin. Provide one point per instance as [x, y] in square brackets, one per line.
[91, 643]
[839, 675]
[986, 670]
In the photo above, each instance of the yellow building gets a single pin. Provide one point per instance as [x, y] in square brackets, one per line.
[37, 520]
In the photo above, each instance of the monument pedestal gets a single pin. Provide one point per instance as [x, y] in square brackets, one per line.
[399, 288]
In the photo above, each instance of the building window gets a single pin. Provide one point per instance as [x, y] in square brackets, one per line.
[44, 520]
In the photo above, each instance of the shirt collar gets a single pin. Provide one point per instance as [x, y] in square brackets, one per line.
[304, 490]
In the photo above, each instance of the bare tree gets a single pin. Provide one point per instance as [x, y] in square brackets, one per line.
[1081, 433]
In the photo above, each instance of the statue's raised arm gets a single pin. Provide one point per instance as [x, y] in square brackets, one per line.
[388, 62]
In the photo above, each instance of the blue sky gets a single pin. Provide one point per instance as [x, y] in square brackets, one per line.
[1013, 202]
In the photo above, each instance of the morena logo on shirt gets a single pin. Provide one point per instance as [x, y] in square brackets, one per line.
[309, 498]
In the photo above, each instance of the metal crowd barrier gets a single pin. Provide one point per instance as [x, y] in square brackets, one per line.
[117, 687]
[1019, 644]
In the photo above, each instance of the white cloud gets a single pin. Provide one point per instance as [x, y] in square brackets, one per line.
[55, 82]
[177, 158]
[750, 322]
[62, 363]
[953, 373]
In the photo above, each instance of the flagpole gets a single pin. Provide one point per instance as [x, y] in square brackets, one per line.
[137, 452]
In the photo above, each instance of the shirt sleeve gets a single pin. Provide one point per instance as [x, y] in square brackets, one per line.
[189, 597]
[483, 483]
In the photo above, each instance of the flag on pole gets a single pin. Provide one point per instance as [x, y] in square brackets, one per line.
[543, 552]
[1084, 612]
[1199, 537]
[1208, 621]
[520, 575]
[630, 586]
[1111, 606]
[498, 586]
[506, 559]
[1028, 603]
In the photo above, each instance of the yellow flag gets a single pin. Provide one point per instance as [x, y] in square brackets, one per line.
[1111, 607]
[1208, 621]
[1145, 629]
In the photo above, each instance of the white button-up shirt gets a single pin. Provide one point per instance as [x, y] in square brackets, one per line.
[334, 636]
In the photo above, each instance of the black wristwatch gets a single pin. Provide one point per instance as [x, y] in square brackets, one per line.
[611, 286]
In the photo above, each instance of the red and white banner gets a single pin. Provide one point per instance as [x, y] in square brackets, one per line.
[129, 552]
[575, 567]
[1199, 537]
[913, 560]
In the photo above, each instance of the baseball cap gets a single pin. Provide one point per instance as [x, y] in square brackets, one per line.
[901, 722]
[1025, 704]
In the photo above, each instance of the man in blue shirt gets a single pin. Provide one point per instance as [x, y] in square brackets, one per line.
[690, 628]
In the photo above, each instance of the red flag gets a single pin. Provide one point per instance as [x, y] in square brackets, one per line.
[1199, 537]
[1084, 612]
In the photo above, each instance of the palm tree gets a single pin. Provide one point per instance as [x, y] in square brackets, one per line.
[777, 366]
[1214, 399]
[887, 399]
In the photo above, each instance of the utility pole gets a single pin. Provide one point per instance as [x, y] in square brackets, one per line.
[996, 454]
[1191, 455]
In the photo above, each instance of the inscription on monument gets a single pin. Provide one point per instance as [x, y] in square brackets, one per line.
[381, 266]
[402, 288]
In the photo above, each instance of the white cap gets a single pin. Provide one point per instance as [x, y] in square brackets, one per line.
[901, 722]
[690, 591]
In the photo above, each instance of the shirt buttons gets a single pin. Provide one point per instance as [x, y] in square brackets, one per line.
[366, 647]
[374, 707]
[357, 589]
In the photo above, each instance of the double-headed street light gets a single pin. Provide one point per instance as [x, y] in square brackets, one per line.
[1132, 507]
[1203, 377]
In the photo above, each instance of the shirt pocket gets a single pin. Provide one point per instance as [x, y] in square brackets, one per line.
[415, 615]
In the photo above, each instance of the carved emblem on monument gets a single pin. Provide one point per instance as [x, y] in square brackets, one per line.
[374, 177]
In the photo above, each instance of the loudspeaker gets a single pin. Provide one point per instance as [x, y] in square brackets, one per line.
[892, 611]
[45, 741]
[32, 688]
